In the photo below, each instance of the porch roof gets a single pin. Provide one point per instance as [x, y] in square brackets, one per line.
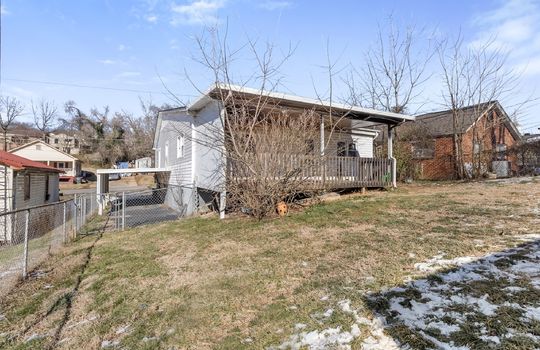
[285, 100]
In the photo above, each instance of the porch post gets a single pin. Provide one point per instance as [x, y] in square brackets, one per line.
[322, 135]
[391, 154]
[323, 163]
[99, 193]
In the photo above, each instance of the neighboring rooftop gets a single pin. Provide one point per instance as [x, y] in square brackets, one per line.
[20, 163]
[441, 123]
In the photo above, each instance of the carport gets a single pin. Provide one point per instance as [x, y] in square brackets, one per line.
[102, 186]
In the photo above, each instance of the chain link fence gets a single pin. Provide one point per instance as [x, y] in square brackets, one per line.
[29, 236]
[131, 209]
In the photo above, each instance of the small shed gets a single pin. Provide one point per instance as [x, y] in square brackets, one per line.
[26, 183]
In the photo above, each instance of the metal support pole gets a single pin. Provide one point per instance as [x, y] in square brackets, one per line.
[123, 211]
[64, 224]
[222, 204]
[25, 253]
[76, 215]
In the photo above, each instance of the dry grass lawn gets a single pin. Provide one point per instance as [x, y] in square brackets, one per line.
[316, 277]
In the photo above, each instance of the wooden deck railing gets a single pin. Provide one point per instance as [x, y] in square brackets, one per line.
[316, 172]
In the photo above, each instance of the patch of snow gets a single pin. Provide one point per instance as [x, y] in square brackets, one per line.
[149, 339]
[437, 262]
[324, 298]
[122, 329]
[533, 313]
[33, 337]
[107, 344]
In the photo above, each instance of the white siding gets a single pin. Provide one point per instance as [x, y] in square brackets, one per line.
[208, 169]
[174, 124]
[364, 145]
[9, 191]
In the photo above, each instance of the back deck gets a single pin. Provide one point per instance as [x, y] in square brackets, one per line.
[314, 172]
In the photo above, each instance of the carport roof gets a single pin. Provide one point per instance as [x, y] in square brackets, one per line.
[131, 171]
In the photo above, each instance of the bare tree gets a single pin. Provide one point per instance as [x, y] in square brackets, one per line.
[45, 114]
[394, 70]
[10, 109]
[266, 150]
[474, 80]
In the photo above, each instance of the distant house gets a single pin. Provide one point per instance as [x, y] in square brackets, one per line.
[27, 183]
[18, 135]
[44, 153]
[487, 134]
[64, 142]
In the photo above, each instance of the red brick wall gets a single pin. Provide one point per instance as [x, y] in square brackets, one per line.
[440, 167]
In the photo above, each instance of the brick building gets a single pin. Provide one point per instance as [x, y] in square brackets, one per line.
[487, 133]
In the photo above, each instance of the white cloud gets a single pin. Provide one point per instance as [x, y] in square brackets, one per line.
[173, 44]
[196, 12]
[128, 74]
[513, 27]
[107, 62]
[275, 5]
[151, 19]
[4, 11]
[121, 47]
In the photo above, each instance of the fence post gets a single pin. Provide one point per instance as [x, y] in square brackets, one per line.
[25, 252]
[123, 211]
[64, 224]
[76, 215]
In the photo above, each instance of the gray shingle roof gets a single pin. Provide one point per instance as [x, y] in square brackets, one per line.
[441, 123]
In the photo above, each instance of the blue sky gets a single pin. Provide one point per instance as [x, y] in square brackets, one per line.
[134, 45]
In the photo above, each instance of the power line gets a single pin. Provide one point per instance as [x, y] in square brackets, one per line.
[44, 82]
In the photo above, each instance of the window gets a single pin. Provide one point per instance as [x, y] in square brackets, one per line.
[60, 165]
[352, 150]
[423, 150]
[180, 146]
[56, 141]
[26, 187]
[47, 196]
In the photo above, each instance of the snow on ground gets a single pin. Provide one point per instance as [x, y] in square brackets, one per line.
[339, 338]
[485, 303]
[491, 302]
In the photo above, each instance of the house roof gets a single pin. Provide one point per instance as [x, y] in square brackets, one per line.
[46, 145]
[441, 123]
[20, 163]
[352, 112]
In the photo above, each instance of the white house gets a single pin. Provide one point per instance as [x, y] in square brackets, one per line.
[182, 145]
[64, 142]
[42, 152]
